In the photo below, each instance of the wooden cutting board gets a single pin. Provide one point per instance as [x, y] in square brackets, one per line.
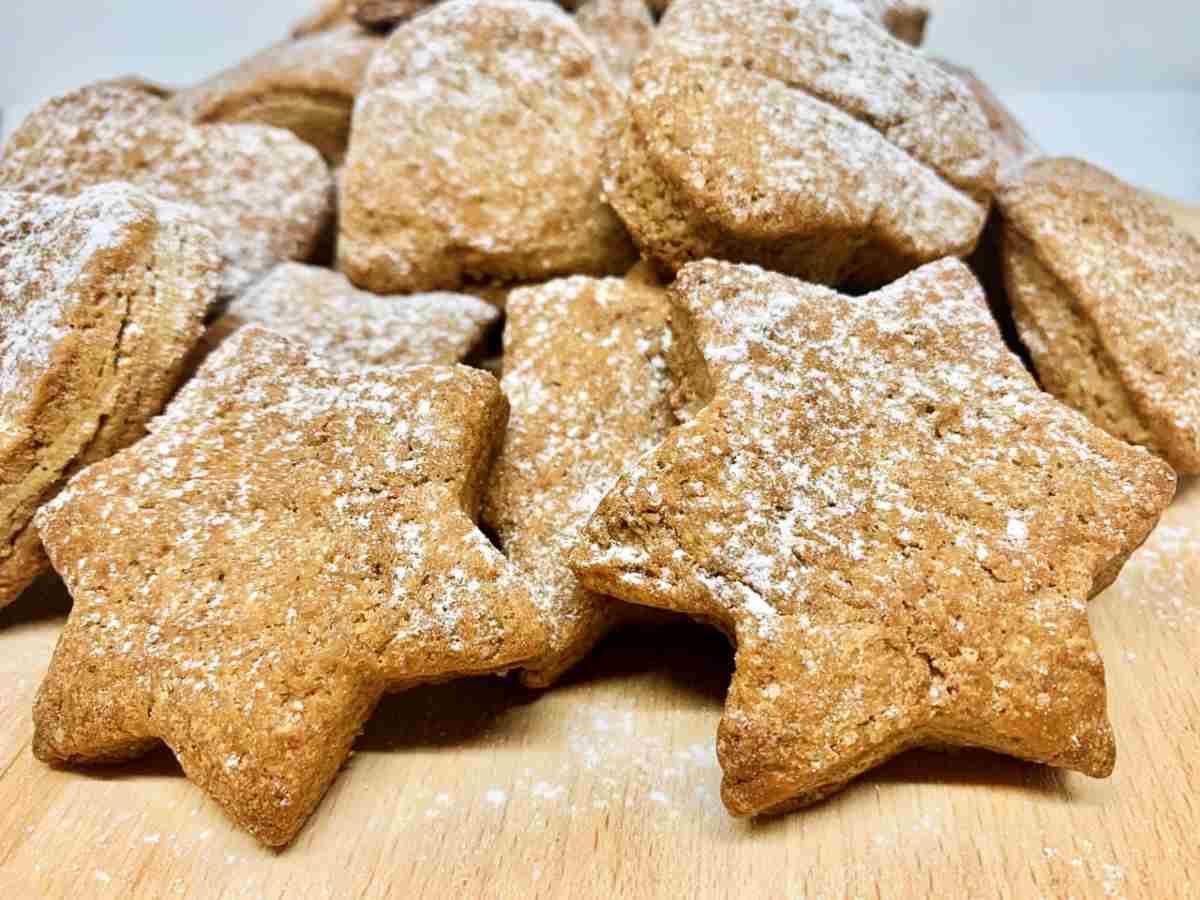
[608, 786]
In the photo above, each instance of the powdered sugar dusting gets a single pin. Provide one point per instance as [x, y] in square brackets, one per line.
[839, 51]
[766, 118]
[265, 194]
[333, 62]
[586, 374]
[352, 328]
[869, 461]
[281, 514]
[47, 245]
[621, 31]
[1128, 276]
[748, 348]
[476, 139]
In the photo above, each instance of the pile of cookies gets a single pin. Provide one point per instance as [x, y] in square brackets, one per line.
[747, 378]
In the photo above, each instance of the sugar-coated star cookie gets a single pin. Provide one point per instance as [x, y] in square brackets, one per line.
[306, 86]
[286, 546]
[475, 153]
[264, 193]
[899, 529]
[350, 328]
[101, 299]
[585, 371]
[799, 135]
[1105, 292]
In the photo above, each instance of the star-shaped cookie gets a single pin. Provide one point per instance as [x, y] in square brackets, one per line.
[585, 371]
[350, 328]
[898, 527]
[285, 547]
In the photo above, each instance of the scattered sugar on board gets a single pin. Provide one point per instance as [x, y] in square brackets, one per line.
[620, 757]
[1163, 576]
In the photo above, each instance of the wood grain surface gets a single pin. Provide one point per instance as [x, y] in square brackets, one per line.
[608, 786]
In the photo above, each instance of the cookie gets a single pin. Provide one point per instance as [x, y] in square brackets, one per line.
[904, 20]
[585, 371]
[475, 153]
[899, 529]
[620, 30]
[384, 15]
[265, 194]
[305, 86]
[351, 329]
[101, 298]
[145, 85]
[491, 292]
[286, 546]
[799, 135]
[1104, 292]
[1014, 146]
[327, 14]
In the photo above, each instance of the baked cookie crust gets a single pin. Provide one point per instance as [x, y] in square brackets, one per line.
[475, 155]
[101, 299]
[800, 136]
[293, 543]
[1105, 296]
[899, 529]
[265, 194]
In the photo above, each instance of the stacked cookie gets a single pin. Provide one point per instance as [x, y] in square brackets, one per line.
[746, 378]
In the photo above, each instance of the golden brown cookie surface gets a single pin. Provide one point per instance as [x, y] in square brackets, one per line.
[293, 543]
[1104, 290]
[327, 14]
[145, 85]
[906, 21]
[385, 14]
[800, 136]
[900, 529]
[1014, 145]
[101, 298]
[305, 86]
[621, 31]
[265, 194]
[585, 372]
[903, 19]
[475, 153]
[352, 329]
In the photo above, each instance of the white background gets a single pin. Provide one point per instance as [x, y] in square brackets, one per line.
[1116, 81]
